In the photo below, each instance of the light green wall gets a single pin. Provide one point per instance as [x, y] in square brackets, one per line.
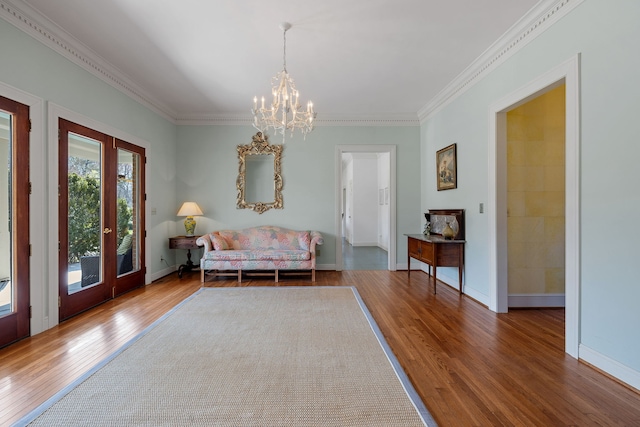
[31, 67]
[207, 165]
[606, 34]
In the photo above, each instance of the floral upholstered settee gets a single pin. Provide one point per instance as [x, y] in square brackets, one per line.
[258, 249]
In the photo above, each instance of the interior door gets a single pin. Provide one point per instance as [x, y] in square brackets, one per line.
[14, 221]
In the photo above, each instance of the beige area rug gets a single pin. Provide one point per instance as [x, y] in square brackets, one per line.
[289, 356]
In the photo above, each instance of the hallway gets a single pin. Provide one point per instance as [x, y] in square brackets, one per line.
[363, 257]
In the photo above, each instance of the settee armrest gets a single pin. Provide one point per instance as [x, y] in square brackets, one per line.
[316, 239]
[206, 242]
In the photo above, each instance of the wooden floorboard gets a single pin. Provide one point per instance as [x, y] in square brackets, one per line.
[470, 366]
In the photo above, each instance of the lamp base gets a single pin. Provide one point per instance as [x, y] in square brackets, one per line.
[190, 226]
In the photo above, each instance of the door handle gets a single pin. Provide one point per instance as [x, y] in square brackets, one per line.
[107, 230]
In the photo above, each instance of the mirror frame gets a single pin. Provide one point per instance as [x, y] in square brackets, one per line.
[259, 146]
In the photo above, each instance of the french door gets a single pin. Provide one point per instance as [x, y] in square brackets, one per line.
[14, 221]
[101, 215]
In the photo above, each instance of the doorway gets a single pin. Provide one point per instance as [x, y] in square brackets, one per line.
[101, 217]
[536, 201]
[362, 244]
[567, 74]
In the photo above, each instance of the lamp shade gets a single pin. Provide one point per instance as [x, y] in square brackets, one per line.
[190, 209]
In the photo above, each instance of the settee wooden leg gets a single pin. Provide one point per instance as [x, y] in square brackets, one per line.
[276, 276]
[202, 275]
[313, 274]
[239, 276]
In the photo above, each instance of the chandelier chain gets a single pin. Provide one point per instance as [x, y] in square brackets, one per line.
[284, 51]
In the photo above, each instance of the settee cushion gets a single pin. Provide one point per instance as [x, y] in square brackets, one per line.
[262, 255]
[266, 238]
[219, 242]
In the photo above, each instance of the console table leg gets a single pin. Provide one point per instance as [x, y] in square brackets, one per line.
[435, 284]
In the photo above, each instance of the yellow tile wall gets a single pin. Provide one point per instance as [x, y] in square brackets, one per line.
[536, 194]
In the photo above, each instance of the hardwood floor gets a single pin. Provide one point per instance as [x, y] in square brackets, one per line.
[470, 366]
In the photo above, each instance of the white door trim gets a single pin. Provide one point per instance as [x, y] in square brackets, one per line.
[391, 150]
[568, 73]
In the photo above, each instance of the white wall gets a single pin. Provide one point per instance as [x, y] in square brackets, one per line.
[365, 200]
[383, 210]
[347, 184]
[606, 34]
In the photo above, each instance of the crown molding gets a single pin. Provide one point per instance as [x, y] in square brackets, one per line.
[535, 22]
[410, 119]
[390, 119]
[210, 120]
[32, 22]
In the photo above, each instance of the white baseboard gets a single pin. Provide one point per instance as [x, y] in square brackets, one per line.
[536, 300]
[365, 244]
[610, 366]
[164, 272]
[402, 266]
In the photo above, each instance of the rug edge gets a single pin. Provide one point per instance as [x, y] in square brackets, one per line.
[411, 392]
[40, 409]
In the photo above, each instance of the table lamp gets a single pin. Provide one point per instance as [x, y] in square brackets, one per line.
[189, 209]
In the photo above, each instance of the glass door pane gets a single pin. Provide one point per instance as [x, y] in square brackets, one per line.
[129, 199]
[128, 251]
[14, 221]
[84, 213]
[6, 284]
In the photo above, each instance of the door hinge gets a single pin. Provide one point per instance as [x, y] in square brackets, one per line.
[30, 188]
[30, 312]
[145, 197]
[145, 233]
[29, 249]
[29, 125]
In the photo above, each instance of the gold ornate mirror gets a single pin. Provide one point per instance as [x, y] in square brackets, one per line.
[259, 182]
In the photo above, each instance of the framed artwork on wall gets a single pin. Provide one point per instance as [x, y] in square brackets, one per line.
[447, 168]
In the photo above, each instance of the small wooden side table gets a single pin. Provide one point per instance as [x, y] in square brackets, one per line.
[188, 243]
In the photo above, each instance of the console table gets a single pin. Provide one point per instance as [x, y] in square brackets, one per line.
[435, 251]
[188, 243]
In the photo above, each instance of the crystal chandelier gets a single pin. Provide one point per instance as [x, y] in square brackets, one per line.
[285, 112]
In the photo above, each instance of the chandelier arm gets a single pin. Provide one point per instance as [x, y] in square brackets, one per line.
[285, 101]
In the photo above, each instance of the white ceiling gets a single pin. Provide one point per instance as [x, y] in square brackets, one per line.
[196, 59]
